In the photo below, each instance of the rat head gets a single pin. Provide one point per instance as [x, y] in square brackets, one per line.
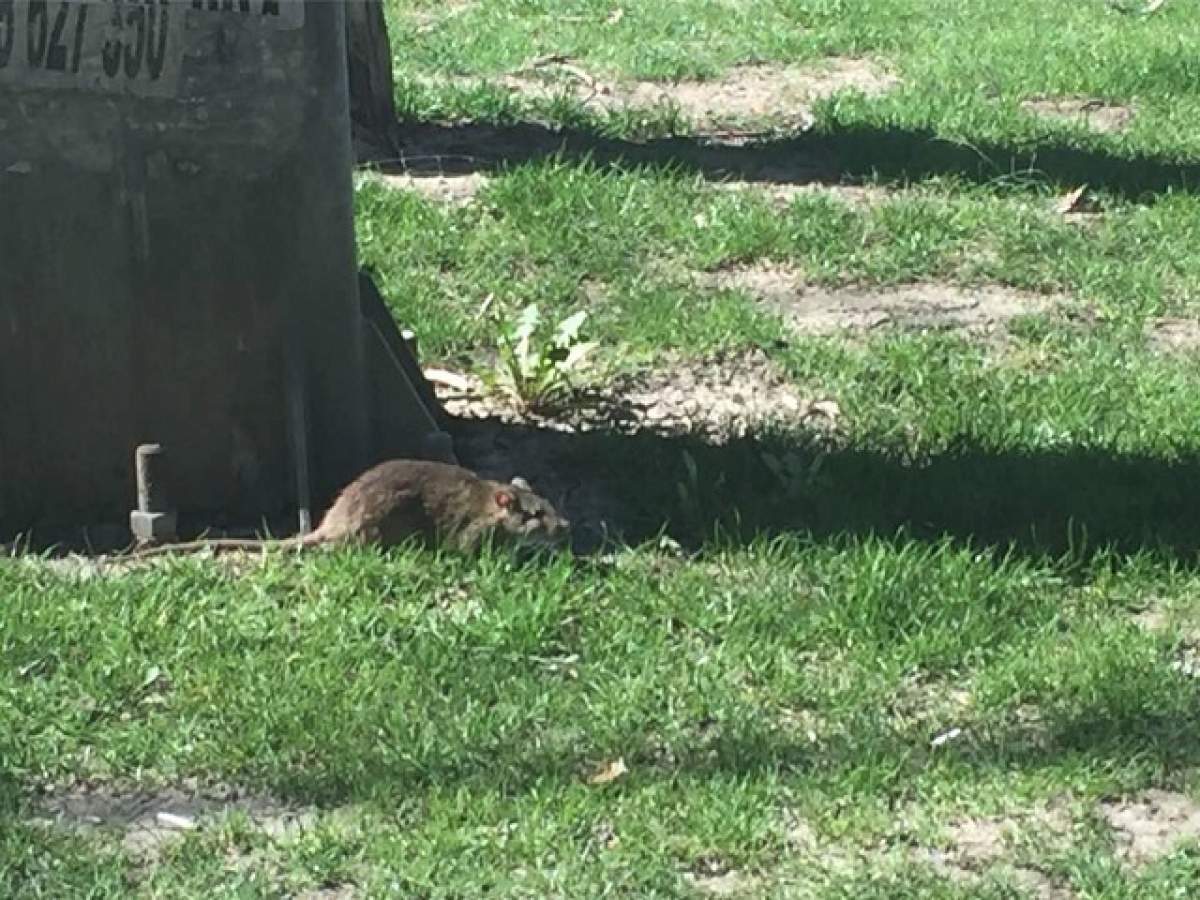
[526, 517]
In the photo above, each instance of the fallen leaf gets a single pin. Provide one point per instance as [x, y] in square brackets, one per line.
[1071, 201]
[448, 379]
[608, 772]
[1077, 201]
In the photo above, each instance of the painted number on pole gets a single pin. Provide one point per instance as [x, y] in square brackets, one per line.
[124, 46]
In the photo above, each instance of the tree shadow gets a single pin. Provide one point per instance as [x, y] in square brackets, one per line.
[838, 153]
[626, 489]
[1037, 503]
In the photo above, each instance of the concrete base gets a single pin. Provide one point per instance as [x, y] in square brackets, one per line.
[153, 527]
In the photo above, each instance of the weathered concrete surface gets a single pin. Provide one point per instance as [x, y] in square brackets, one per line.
[158, 234]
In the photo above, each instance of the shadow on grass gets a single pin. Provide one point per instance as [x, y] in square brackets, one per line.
[10, 791]
[1039, 504]
[868, 758]
[840, 153]
[1027, 501]
[634, 488]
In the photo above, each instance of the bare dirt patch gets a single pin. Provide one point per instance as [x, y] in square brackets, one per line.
[716, 399]
[461, 188]
[149, 819]
[812, 310]
[982, 845]
[764, 93]
[937, 706]
[1152, 618]
[776, 95]
[782, 194]
[454, 189]
[722, 399]
[426, 20]
[719, 398]
[1156, 619]
[1174, 335]
[727, 884]
[1152, 824]
[1097, 115]
[341, 892]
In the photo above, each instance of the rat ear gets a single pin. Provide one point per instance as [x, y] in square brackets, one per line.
[519, 482]
[504, 499]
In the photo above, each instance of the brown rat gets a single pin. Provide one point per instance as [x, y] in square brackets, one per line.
[406, 498]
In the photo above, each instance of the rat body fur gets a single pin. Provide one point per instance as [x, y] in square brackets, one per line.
[402, 499]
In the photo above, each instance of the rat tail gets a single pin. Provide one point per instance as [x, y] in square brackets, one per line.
[216, 546]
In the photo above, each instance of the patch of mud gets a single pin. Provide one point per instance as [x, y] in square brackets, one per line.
[1174, 335]
[1152, 824]
[811, 310]
[1097, 115]
[456, 189]
[781, 96]
[149, 819]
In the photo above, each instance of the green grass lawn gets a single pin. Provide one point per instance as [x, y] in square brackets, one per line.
[965, 66]
[977, 607]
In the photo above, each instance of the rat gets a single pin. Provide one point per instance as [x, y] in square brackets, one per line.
[406, 498]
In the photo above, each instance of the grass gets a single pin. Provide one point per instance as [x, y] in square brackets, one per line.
[966, 66]
[341, 682]
[641, 235]
[943, 613]
[765, 683]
